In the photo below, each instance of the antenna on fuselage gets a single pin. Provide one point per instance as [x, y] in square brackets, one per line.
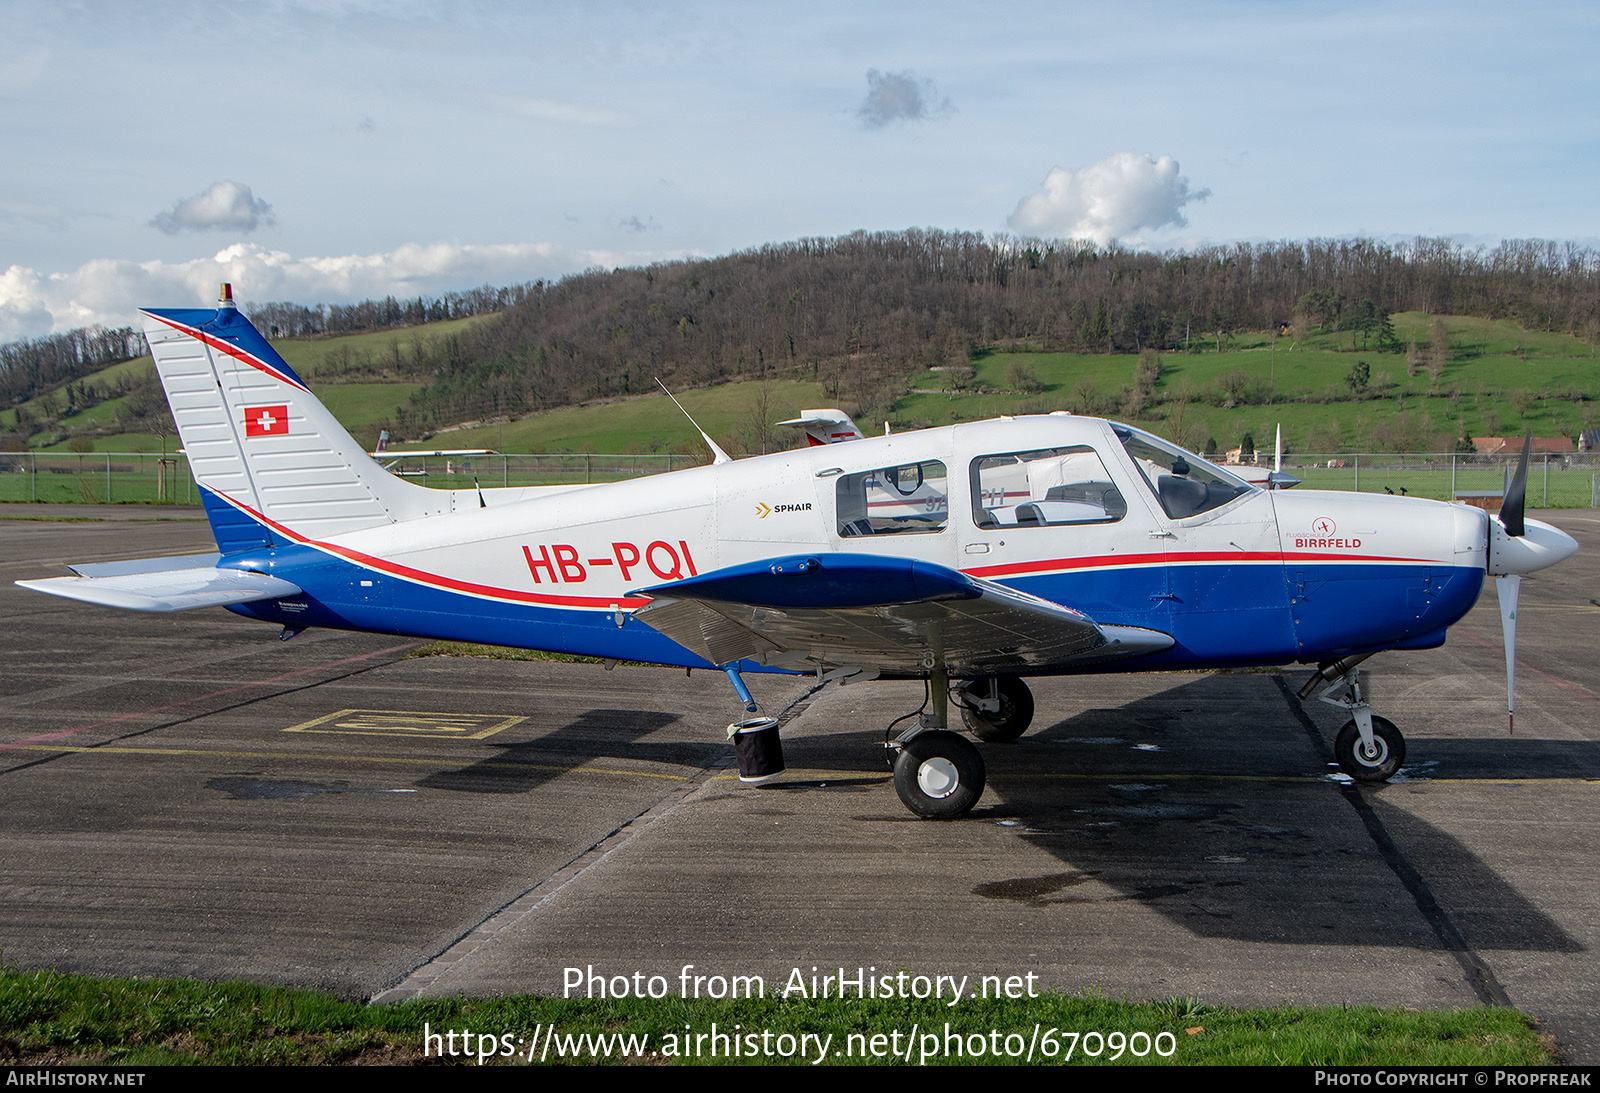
[717, 454]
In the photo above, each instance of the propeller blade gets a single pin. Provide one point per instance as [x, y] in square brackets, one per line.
[1511, 509]
[1507, 588]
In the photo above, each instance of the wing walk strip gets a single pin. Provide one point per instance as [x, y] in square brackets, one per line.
[1474, 969]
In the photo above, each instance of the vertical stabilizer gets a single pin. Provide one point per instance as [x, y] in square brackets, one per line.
[259, 443]
[829, 426]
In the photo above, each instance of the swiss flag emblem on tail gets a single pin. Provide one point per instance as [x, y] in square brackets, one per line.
[266, 421]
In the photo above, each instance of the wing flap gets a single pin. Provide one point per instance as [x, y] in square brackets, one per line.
[164, 584]
[896, 616]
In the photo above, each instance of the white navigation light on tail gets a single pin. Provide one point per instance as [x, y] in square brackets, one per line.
[971, 556]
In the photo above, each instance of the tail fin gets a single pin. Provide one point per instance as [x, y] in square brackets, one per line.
[825, 426]
[263, 450]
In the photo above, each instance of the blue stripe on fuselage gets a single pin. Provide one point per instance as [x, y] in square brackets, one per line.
[1219, 614]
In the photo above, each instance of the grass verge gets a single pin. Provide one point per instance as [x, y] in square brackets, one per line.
[54, 1018]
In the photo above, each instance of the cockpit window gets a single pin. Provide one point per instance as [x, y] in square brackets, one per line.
[893, 500]
[1044, 488]
[1185, 484]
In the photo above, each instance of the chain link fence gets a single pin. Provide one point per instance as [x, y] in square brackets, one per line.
[135, 478]
[1554, 481]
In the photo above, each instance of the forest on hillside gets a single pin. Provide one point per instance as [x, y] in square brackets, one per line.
[862, 312]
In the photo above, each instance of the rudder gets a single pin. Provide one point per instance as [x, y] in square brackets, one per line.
[259, 443]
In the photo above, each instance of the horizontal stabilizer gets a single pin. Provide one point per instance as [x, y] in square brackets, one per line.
[145, 565]
[896, 616]
[164, 584]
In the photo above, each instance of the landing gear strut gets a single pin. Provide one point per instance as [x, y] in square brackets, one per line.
[1368, 748]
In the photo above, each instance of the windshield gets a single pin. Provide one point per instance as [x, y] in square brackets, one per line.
[1184, 484]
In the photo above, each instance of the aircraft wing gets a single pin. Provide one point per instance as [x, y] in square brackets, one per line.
[892, 616]
[164, 584]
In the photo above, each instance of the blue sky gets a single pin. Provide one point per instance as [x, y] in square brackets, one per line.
[332, 151]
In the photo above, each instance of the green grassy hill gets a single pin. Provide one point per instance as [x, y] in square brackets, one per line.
[1499, 379]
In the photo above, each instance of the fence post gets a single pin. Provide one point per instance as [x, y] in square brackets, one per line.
[108, 478]
[1546, 479]
[1452, 476]
[1358, 472]
[33, 477]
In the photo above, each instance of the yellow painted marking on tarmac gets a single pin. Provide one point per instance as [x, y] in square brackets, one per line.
[1329, 778]
[409, 723]
[324, 758]
[793, 775]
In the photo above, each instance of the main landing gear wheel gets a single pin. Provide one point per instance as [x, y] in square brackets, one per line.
[1378, 764]
[1010, 721]
[939, 775]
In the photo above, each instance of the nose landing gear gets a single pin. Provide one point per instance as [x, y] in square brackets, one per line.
[1368, 748]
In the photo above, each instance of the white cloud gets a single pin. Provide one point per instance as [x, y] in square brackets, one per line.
[225, 206]
[109, 291]
[900, 96]
[564, 112]
[1117, 198]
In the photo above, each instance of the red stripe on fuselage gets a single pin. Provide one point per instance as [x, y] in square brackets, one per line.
[437, 580]
[1198, 557]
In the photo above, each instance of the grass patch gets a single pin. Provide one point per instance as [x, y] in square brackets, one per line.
[649, 423]
[496, 652]
[49, 1017]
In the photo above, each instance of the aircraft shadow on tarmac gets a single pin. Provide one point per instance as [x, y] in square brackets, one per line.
[1233, 828]
[593, 736]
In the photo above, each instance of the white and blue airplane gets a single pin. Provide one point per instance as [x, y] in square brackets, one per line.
[1059, 544]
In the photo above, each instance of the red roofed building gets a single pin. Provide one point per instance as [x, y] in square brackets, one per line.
[1512, 445]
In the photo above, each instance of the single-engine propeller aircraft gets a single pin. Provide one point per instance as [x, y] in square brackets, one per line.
[970, 556]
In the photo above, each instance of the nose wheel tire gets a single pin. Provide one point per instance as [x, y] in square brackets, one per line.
[939, 775]
[1010, 721]
[1378, 764]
